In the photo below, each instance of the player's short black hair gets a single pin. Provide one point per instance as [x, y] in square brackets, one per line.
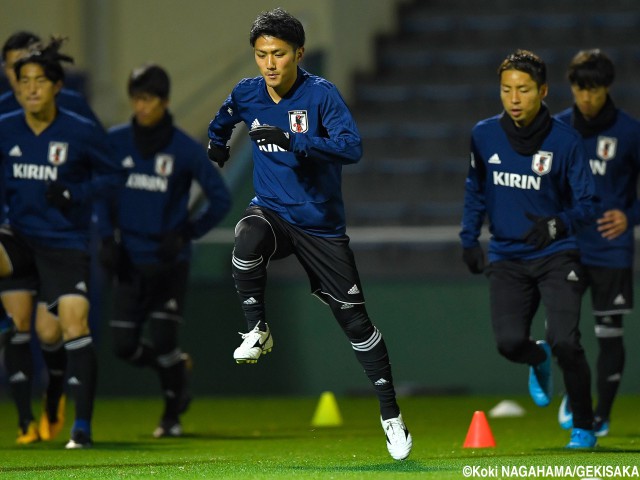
[527, 62]
[591, 68]
[279, 24]
[151, 79]
[19, 41]
[48, 56]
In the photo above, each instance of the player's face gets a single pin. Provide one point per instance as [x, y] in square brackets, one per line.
[148, 109]
[37, 92]
[278, 63]
[589, 100]
[521, 97]
[12, 57]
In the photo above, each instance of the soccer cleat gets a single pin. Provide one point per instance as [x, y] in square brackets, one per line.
[28, 435]
[79, 439]
[399, 440]
[49, 430]
[581, 438]
[600, 427]
[565, 415]
[540, 381]
[168, 428]
[255, 343]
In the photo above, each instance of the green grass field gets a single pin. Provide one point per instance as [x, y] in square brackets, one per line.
[262, 438]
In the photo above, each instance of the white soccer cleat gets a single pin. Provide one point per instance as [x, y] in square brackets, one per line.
[399, 440]
[255, 343]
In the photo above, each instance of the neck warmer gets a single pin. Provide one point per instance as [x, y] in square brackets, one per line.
[150, 140]
[603, 120]
[527, 140]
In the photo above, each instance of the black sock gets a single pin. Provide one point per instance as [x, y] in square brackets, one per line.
[19, 363]
[374, 358]
[172, 373]
[609, 367]
[82, 375]
[250, 286]
[55, 358]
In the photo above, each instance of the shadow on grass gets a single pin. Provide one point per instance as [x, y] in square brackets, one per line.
[406, 466]
[100, 466]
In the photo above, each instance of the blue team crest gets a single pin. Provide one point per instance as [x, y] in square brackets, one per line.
[58, 153]
[164, 164]
[298, 121]
[541, 163]
[606, 149]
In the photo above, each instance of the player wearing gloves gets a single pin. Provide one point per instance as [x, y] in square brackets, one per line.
[55, 164]
[529, 176]
[303, 134]
[612, 141]
[148, 233]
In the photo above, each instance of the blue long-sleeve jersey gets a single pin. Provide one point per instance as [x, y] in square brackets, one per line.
[504, 185]
[614, 158]
[155, 199]
[72, 150]
[302, 185]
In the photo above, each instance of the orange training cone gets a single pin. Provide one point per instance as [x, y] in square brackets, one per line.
[479, 434]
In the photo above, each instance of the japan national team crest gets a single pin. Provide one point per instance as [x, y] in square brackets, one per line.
[58, 153]
[164, 165]
[541, 163]
[298, 121]
[607, 147]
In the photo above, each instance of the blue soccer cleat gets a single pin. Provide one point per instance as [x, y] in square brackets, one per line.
[600, 427]
[540, 381]
[581, 438]
[565, 415]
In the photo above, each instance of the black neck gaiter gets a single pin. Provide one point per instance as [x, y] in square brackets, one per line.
[150, 140]
[527, 140]
[603, 120]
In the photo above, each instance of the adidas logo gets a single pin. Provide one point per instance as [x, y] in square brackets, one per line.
[250, 301]
[572, 277]
[81, 286]
[614, 378]
[15, 151]
[230, 111]
[18, 377]
[74, 381]
[495, 159]
[346, 306]
[619, 300]
[172, 305]
[255, 124]
[128, 162]
[353, 290]
[380, 382]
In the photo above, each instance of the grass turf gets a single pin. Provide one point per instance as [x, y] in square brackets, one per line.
[262, 438]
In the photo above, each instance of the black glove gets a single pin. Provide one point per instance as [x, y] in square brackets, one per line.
[474, 259]
[266, 135]
[110, 255]
[58, 196]
[217, 153]
[545, 231]
[171, 244]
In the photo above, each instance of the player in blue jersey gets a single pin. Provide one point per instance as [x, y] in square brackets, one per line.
[612, 141]
[15, 47]
[55, 163]
[303, 134]
[148, 247]
[17, 297]
[529, 176]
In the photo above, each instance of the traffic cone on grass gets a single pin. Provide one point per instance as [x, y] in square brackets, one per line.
[327, 413]
[479, 434]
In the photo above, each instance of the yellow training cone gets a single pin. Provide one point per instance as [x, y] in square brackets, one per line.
[327, 413]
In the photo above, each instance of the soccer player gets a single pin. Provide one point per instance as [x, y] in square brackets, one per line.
[16, 46]
[529, 175]
[612, 141]
[148, 234]
[18, 297]
[303, 134]
[55, 163]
